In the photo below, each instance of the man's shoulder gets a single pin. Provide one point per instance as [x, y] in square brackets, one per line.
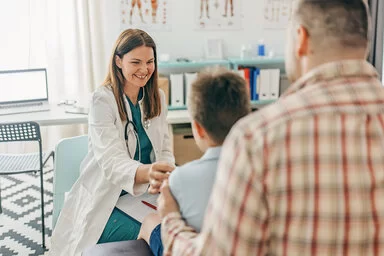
[271, 116]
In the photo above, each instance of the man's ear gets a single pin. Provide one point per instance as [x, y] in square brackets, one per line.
[118, 61]
[302, 41]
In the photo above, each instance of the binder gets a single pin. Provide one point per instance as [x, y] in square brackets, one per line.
[264, 84]
[274, 89]
[241, 73]
[189, 79]
[177, 90]
[255, 91]
[245, 74]
[248, 79]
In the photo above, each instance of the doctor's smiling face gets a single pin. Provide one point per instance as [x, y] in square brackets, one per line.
[132, 66]
[137, 66]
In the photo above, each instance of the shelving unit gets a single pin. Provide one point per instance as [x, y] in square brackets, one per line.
[263, 63]
[254, 103]
[267, 62]
[169, 67]
[191, 66]
[166, 68]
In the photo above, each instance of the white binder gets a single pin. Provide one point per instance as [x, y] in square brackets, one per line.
[264, 85]
[189, 79]
[177, 90]
[241, 72]
[274, 79]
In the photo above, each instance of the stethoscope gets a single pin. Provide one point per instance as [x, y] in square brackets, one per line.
[131, 127]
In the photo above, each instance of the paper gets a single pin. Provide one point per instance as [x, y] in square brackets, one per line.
[134, 207]
[77, 110]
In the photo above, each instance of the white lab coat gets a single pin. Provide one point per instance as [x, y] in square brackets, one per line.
[105, 171]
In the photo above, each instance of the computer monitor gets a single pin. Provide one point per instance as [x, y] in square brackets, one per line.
[18, 86]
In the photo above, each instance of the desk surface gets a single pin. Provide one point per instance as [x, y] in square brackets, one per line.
[57, 116]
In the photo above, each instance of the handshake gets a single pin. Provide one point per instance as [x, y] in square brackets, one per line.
[158, 172]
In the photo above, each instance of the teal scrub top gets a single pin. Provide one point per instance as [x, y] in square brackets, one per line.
[145, 143]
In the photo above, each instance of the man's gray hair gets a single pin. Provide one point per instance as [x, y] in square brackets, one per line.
[346, 22]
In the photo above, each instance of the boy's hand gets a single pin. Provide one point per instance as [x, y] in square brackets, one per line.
[165, 202]
[158, 172]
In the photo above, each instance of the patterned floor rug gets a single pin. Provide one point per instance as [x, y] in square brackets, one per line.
[20, 222]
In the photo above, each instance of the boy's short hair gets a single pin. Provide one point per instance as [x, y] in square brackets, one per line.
[218, 98]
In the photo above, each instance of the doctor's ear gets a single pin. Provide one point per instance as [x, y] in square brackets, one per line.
[118, 61]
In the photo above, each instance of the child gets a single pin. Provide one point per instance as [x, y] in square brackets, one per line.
[217, 100]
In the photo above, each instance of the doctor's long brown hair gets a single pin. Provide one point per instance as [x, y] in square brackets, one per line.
[127, 41]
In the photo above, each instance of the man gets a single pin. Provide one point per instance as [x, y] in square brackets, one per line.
[304, 176]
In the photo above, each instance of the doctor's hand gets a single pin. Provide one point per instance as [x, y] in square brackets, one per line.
[158, 172]
[166, 203]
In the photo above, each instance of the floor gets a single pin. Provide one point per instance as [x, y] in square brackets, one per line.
[20, 222]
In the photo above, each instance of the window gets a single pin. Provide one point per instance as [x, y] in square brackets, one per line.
[23, 37]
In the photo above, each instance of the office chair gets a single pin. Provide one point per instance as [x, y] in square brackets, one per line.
[24, 163]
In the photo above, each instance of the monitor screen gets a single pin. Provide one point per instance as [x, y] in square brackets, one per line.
[23, 85]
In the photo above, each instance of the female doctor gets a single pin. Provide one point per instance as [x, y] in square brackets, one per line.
[128, 146]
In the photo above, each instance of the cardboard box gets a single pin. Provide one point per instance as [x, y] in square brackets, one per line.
[164, 85]
[184, 146]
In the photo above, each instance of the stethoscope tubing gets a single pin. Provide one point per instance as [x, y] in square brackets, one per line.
[134, 130]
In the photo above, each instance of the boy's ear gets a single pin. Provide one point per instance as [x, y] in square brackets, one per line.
[199, 129]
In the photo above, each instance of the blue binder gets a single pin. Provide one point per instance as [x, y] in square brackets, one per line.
[255, 75]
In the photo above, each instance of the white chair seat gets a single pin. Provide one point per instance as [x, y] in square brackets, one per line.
[19, 163]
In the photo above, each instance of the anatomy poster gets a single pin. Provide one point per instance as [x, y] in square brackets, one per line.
[277, 13]
[145, 14]
[218, 14]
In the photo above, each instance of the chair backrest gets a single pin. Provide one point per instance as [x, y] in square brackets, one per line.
[69, 154]
[23, 131]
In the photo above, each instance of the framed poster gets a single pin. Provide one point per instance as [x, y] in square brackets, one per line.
[277, 13]
[145, 14]
[218, 14]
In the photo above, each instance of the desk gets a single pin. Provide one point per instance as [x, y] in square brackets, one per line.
[57, 116]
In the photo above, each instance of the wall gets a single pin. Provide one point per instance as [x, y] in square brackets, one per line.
[185, 41]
